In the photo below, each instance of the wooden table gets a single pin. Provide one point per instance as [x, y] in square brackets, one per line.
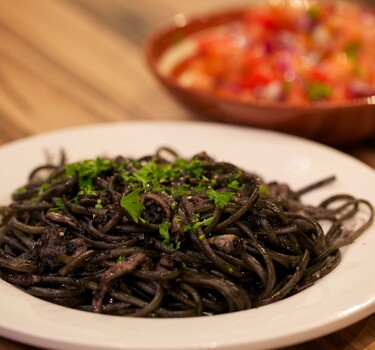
[74, 62]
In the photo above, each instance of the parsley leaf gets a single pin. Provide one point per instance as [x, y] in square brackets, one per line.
[234, 185]
[194, 168]
[314, 12]
[318, 91]
[164, 232]
[169, 177]
[20, 190]
[195, 224]
[87, 171]
[133, 205]
[352, 49]
[59, 204]
[205, 222]
[263, 190]
[98, 204]
[220, 198]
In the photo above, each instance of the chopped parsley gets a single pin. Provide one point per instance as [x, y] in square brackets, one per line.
[195, 224]
[202, 237]
[98, 204]
[205, 222]
[221, 199]
[59, 204]
[314, 12]
[234, 185]
[193, 168]
[87, 171]
[21, 189]
[132, 204]
[164, 232]
[181, 177]
[44, 187]
[352, 49]
[318, 91]
[263, 190]
[159, 176]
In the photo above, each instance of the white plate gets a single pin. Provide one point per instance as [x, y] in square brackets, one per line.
[343, 297]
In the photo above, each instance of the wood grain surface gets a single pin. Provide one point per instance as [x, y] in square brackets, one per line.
[74, 62]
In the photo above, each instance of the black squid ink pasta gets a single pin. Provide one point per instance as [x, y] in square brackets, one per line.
[167, 236]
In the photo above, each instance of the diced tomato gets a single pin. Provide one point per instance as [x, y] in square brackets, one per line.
[317, 74]
[267, 49]
[273, 19]
[213, 45]
[255, 78]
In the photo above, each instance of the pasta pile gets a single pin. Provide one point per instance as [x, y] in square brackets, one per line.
[166, 236]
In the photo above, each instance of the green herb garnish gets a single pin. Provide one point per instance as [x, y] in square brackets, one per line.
[87, 171]
[98, 204]
[314, 12]
[352, 49]
[195, 224]
[59, 204]
[318, 91]
[21, 189]
[220, 198]
[234, 185]
[132, 204]
[263, 190]
[164, 232]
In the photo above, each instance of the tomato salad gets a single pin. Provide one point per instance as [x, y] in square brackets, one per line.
[323, 52]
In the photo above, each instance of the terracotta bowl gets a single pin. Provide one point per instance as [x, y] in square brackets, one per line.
[329, 122]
